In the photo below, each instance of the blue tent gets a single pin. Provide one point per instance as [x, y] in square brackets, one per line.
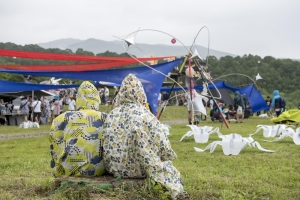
[152, 80]
[253, 96]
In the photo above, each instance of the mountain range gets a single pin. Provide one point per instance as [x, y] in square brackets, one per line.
[139, 50]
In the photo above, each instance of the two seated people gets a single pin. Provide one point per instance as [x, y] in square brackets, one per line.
[129, 141]
[229, 113]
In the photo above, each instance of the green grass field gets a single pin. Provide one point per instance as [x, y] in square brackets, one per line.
[25, 170]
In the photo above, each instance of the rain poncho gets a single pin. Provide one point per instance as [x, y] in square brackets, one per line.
[238, 100]
[135, 143]
[75, 137]
[277, 101]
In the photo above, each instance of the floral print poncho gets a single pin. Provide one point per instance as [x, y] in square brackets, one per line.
[134, 142]
[75, 137]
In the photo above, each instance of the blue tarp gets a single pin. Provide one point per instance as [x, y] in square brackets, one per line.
[151, 80]
[8, 86]
[256, 100]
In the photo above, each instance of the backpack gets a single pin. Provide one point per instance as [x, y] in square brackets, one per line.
[282, 102]
[279, 103]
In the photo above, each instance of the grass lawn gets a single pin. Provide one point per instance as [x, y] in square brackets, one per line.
[25, 170]
[10, 130]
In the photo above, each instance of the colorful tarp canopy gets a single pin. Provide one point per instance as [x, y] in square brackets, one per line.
[94, 62]
[151, 80]
[256, 100]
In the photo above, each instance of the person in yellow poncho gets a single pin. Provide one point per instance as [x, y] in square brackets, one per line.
[135, 143]
[75, 137]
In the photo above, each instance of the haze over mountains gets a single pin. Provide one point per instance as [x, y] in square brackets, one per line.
[100, 46]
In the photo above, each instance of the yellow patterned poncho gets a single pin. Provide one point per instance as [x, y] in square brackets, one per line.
[75, 137]
[135, 143]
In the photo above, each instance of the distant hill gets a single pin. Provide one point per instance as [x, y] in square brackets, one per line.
[61, 43]
[100, 46]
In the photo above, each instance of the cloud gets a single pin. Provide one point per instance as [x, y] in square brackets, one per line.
[239, 27]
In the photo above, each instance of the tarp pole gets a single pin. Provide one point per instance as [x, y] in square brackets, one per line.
[32, 110]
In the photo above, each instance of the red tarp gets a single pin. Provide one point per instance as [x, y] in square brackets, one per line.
[97, 62]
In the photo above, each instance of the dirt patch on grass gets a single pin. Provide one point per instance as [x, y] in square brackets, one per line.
[7, 137]
[16, 136]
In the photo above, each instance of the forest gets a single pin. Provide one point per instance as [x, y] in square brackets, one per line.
[277, 74]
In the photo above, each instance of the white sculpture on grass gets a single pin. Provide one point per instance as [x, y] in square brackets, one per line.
[271, 131]
[29, 124]
[167, 128]
[289, 132]
[201, 134]
[265, 115]
[233, 144]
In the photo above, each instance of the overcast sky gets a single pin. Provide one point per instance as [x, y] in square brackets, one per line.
[257, 27]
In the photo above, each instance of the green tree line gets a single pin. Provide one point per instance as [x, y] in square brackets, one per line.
[277, 74]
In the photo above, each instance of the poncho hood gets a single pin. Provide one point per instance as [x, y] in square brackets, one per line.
[131, 91]
[237, 95]
[87, 97]
[276, 92]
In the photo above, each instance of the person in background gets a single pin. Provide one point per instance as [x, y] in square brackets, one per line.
[9, 106]
[56, 109]
[215, 113]
[101, 94]
[24, 108]
[135, 143]
[30, 117]
[231, 112]
[299, 106]
[211, 104]
[159, 98]
[36, 106]
[268, 102]
[46, 112]
[278, 103]
[61, 104]
[205, 105]
[115, 94]
[106, 95]
[76, 137]
[72, 103]
[239, 101]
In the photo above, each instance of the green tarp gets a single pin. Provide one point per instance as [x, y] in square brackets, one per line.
[288, 116]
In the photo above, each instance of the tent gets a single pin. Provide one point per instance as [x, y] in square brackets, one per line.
[253, 96]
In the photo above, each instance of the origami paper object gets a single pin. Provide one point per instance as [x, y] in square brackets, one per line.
[265, 115]
[201, 134]
[29, 124]
[289, 132]
[271, 131]
[233, 144]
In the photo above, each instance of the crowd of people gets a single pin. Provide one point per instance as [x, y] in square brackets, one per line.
[240, 110]
[43, 110]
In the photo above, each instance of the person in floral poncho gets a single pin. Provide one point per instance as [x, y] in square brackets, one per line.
[135, 144]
